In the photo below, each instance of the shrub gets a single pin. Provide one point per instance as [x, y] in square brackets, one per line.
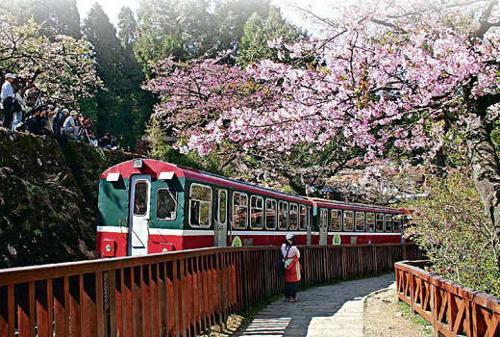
[450, 225]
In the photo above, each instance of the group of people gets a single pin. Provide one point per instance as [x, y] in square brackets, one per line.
[24, 110]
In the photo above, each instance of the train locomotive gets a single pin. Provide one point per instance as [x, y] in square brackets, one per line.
[148, 206]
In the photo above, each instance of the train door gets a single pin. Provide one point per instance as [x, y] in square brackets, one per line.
[221, 219]
[323, 227]
[309, 226]
[140, 194]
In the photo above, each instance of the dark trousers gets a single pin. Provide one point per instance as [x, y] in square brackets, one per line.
[8, 112]
[291, 289]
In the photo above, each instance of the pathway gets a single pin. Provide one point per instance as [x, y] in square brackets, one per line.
[329, 311]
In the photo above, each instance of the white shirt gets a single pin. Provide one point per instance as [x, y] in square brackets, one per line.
[294, 251]
[21, 101]
[69, 122]
[7, 90]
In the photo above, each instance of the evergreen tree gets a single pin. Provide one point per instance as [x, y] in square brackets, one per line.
[258, 31]
[57, 17]
[127, 27]
[141, 102]
[121, 108]
[109, 52]
[191, 28]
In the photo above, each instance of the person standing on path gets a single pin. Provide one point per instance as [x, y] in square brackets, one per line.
[291, 256]
[7, 97]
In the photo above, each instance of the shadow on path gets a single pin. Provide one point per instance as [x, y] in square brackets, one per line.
[328, 311]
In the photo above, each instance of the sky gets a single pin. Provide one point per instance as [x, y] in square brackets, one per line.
[112, 7]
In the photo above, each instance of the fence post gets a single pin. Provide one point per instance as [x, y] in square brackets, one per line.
[375, 260]
[344, 262]
[362, 268]
[123, 295]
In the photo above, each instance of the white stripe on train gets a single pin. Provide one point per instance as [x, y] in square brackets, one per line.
[206, 232]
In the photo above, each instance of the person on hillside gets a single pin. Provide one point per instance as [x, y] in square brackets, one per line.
[19, 109]
[32, 96]
[291, 256]
[59, 119]
[51, 115]
[37, 121]
[69, 128]
[7, 97]
[105, 141]
[88, 132]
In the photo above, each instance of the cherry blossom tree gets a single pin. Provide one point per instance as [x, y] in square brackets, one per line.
[61, 67]
[193, 94]
[387, 76]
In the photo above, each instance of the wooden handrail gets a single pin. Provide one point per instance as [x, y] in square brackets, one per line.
[173, 294]
[452, 309]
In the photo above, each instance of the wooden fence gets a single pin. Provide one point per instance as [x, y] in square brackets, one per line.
[172, 294]
[453, 310]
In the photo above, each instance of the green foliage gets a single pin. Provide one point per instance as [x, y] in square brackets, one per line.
[161, 149]
[191, 28]
[122, 107]
[409, 314]
[127, 27]
[61, 67]
[258, 31]
[56, 17]
[459, 239]
[48, 201]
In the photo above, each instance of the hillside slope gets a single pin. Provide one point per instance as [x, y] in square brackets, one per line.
[48, 198]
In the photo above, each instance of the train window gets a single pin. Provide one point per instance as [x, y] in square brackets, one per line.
[388, 223]
[335, 220]
[270, 214]
[222, 206]
[141, 198]
[323, 219]
[302, 217]
[397, 223]
[379, 227]
[256, 212]
[294, 217]
[240, 210]
[200, 206]
[370, 222]
[360, 221]
[349, 221]
[283, 215]
[166, 204]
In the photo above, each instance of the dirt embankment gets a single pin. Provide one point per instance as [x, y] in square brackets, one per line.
[384, 316]
[48, 198]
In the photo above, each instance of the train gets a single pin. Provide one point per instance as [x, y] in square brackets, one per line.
[148, 206]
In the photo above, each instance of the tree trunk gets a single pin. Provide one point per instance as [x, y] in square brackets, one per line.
[486, 173]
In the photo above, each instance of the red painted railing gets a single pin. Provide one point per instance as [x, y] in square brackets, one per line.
[173, 294]
[453, 310]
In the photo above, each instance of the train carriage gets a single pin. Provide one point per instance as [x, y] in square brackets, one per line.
[148, 206]
[352, 223]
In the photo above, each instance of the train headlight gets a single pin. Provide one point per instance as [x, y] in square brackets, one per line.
[108, 248]
[138, 163]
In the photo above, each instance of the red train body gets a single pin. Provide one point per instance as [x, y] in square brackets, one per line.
[148, 206]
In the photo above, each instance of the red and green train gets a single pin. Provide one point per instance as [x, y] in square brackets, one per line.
[148, 206]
